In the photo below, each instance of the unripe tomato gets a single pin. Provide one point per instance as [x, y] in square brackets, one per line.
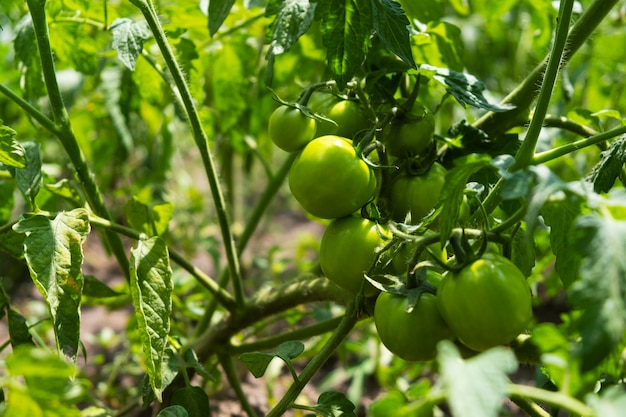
[411, 135]
[349, 117]
[349, 249]
[411, 336]
[329, 179]
[416, 195]
[487, 303]
[290, 129]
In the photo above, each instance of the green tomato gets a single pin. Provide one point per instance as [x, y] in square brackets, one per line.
[349, 117]
[414, 335]
[411, 136]
[416, 195]
[329, 179]
[290, 129]
[349, 249]
[487, 303]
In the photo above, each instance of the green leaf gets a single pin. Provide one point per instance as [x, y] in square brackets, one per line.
[173, 411]
[28, 179]
[65, 189]
[95, 288]
[151, 291]
[335, 404]
[609, 168]
[465, 88]
[292, 21]
[452, 192]
[440, 45]
[609, 403]
[53, 251]
[218, 11]
[523, 250]
[27, 54]
[11, 152]
[128, 37]
[345, 28]
[475, 387]
[12, 243]
[18, 329]
[257, 362]
[601, 291]
[151, 219]
[193, 399]
[7, 201]
[391, 26]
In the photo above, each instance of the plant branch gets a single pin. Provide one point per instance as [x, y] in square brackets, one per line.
[202, 142]
[494, 123]
[553, 398]
[32, 111]
[344, 327]
[527, 150]
[63, 129]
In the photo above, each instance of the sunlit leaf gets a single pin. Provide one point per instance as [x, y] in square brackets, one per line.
[391, 26]
[128, 38]
[151, 288]
[28, 179]
[335, 404]
[477, 386]
[53, 251]
[12, 153]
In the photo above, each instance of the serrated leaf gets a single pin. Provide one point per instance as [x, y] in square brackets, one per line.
[12, 153]
[128, 38]
[335, 404]
[452, 192]
[218, 11]
[173, 411]
[193, 399]
[601, 291]
[477, 386]
[391, 26]
[292, 21]
[151, 291]
[54, 254]
[345, 29]
[28, 179]
[465, 88]
[609, 168]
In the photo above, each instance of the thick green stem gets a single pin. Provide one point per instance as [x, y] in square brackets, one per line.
[495, 124]
[202, 142]
[527, 150]
[63, 129]
[346, 324]
[550, 397]
[546, 156]
[32, 111]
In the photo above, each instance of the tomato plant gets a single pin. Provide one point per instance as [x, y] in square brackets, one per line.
[416, 195]
[487, 303]
[329, 179]
[290, 129]
[411, 335]
[350, 248]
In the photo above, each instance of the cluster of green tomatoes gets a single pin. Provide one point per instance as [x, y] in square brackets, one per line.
[483, 303]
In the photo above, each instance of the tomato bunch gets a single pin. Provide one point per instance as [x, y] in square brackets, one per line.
[376, 219]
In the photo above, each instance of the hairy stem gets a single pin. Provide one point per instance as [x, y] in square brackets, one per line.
[202, 142]
[63, 129]
[527, 150]
[495, 124]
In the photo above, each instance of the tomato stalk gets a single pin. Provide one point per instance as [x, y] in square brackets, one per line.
[202, 142]
[63, 129]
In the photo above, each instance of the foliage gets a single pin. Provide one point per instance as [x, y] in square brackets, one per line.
[140, 129]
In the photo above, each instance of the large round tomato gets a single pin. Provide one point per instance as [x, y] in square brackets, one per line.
[329, 179]
[416, 195]
[290, 129]
[411, 135]
[487, 303]
[411, 336]
[349, 249]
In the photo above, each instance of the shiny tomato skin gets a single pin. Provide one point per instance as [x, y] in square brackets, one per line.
[290, 129]
[487, 303]
[416, 195]
[349, 248]
[411, 336]
[329, 179]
